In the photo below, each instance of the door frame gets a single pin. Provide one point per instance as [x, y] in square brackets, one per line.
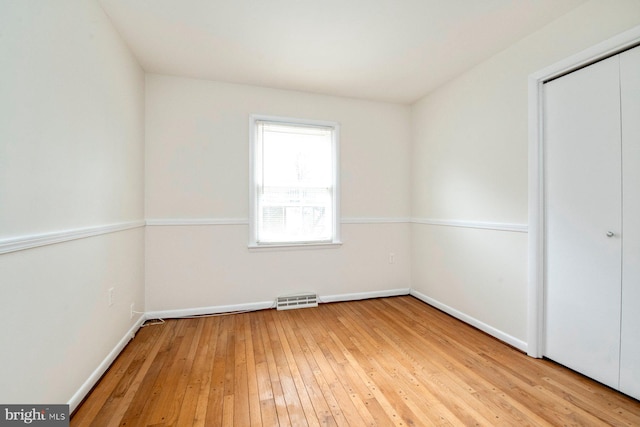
[536, 237]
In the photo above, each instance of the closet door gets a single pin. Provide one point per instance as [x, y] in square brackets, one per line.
[630, 337]
[583, 220]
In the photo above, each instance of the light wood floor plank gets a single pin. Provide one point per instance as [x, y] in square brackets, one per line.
[289, 343]
[350, 382]
[115, 384]
[252, 378]
[390, 378]
[164, 374]
[204, 377]
[214, 408]
[175, 376]
[128, 411]
[285, 375]
[389, 361]
[312, 354]
[426, 380]
[200, 377]
[393, 333]
[319, 407]
[342, 381]
[272, 368]
[268, 411]
[242, 414]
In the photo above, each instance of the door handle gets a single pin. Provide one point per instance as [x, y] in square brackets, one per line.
[610, 234]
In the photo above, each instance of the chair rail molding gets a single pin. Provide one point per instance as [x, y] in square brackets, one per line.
[31, 241]
[483, 225]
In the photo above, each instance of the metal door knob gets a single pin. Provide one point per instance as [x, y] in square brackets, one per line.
[610, 234]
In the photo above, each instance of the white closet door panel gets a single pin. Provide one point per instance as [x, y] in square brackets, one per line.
[630, 335]
[583, 203]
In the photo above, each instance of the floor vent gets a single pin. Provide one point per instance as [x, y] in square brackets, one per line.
[297, 301]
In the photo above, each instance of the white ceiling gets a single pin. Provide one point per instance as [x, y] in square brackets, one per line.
[386, 50]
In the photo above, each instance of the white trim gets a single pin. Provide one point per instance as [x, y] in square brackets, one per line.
[255, 172]
[364, 295]
[245, 221]
[376, 220]
[497, 226]
[294, 246]
[196, 221]
[198, 311]
[337, 213]
[36, 240]
[605, 49]
[600, 51]
[216, 309]
[502, 336]
[95, 376]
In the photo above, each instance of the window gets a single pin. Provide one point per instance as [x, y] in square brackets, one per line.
[294, 182]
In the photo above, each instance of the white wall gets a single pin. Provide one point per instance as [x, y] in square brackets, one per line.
[197, 157]
[71, 157]
[470, 165]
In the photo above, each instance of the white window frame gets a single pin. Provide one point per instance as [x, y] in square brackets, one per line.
[255, 157]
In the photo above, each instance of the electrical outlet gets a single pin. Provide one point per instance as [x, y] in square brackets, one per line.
[392, 258]
[132, 312]
[110, 296]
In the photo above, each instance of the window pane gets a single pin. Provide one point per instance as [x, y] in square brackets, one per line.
[273, 220]
[294, 214]
[294, 176]
[296, 159]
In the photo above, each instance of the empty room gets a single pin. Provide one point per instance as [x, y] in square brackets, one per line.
[305, 212]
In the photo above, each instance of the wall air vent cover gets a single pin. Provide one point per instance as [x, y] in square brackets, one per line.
[297, 301]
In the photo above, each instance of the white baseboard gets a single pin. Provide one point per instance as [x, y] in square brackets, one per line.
[513, 341]
[82, 392]
[198, 311]
[364, 295]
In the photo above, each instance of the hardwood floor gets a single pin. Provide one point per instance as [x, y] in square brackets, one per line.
[389, 361]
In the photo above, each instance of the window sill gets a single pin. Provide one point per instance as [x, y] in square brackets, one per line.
[293, 246]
